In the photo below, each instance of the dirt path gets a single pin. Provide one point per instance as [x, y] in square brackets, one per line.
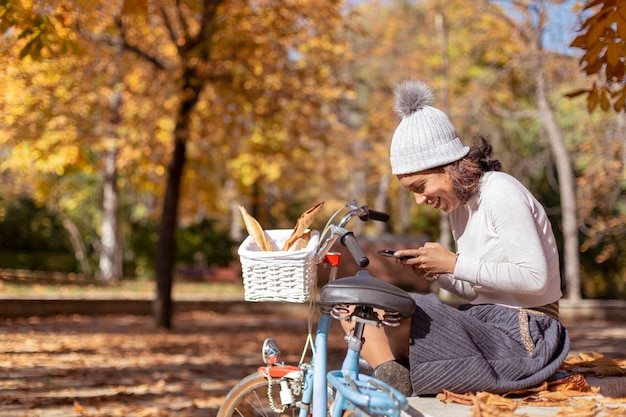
[122, 366]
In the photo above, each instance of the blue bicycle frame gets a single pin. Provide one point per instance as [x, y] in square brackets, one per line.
[353, 390]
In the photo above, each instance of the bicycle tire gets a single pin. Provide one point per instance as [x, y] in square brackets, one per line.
[249, 399]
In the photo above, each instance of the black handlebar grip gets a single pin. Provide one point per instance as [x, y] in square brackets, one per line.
[349, 241]
[374, 215]
[378, 215]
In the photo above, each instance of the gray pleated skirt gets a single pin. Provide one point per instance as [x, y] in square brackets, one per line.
[481, 348]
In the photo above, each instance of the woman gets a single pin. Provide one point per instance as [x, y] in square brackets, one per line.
[506, 267]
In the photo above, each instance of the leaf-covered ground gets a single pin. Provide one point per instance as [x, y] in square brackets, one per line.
[123, 366]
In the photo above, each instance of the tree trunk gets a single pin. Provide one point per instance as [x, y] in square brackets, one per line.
[571, 261]
[110, 254]
[80, 253]
[166, 246]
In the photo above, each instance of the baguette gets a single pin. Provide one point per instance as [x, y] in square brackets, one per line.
[302, 242]
[255, 230]
[303, 223]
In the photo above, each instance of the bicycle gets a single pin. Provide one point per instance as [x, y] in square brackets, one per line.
[308, 389]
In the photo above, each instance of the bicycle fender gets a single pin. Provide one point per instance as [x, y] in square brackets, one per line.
[280, 371]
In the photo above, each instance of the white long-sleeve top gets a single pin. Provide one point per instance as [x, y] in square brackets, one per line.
[507, 252]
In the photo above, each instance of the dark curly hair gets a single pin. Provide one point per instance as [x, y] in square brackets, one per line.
[466, 173]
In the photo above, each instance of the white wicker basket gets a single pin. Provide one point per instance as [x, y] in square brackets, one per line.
[287, 276]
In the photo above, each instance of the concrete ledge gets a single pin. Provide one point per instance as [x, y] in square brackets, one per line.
[589, 310]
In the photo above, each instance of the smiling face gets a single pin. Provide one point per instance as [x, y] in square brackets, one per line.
[432, 187]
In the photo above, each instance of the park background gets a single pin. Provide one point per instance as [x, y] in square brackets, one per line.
[132, 130]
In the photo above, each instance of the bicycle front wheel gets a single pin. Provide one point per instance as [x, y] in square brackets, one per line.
[251, 398]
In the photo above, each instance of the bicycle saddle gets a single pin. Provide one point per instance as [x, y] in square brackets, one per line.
[365, 290]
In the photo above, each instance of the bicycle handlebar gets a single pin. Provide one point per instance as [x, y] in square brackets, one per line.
[347, 238]
[374, 215]
[349, 241]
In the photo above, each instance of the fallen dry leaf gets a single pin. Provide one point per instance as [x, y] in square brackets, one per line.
[592, 360]
[482, 409]
[561, 395]
[452, 397]
[571, 383]
[496, 400]
[78, 408]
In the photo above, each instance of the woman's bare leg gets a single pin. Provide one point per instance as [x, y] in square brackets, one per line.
[386, 350]
[384, 344]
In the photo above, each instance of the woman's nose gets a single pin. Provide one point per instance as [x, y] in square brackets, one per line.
[420, 199]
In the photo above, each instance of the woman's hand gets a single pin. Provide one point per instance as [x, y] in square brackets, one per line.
[429, 260]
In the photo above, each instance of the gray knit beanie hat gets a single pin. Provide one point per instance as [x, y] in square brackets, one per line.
[425, 138]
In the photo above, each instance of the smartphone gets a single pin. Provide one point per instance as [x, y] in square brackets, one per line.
[390, 253]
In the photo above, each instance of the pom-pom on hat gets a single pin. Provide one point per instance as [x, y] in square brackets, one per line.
[425, 138]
